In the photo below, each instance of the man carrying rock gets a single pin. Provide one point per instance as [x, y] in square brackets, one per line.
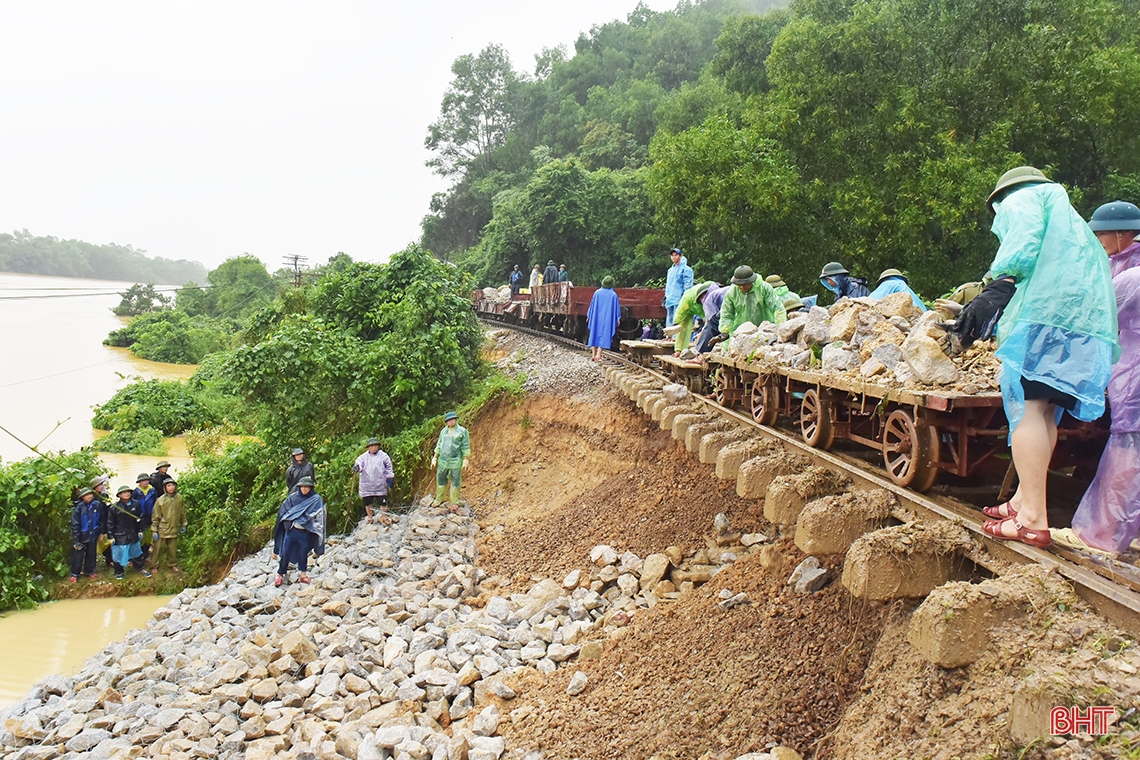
[376, 477]
[749, 301]
[300, 467]
[168, 523]
[452, 454]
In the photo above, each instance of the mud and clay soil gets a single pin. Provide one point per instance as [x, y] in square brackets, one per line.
[825, 674]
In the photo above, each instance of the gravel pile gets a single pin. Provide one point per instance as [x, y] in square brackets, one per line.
[549, 367]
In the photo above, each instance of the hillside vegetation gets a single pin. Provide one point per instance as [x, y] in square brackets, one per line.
[25, 253]
[869, 132]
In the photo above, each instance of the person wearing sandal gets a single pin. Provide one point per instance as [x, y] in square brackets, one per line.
[300, 529]
[376, 478]
[1108, 517]
[452, 453]
[1055, 312]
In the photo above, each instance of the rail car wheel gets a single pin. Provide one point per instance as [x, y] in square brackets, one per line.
[724, 380]
[815, 421]
[765, 401]
[910, 451]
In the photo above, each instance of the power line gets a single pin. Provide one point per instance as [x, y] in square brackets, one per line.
[295, 262]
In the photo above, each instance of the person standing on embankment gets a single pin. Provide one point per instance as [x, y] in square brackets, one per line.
[169, 522]
[376, 478]
[452, 454]
[300, 529]
[86, 529]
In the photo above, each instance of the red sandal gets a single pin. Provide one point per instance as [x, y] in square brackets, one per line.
[1031, 536]
[997, 512]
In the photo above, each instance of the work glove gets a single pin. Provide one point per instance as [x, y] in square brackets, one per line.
[182, 531]
[465, 463]
[112, 542]
[154, 536]
[947, 308]
[77, 547]
[672, 330]
[979, 317]
[433, 460]
[390, 481]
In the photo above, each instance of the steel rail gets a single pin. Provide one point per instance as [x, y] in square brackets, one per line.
[1116, 597]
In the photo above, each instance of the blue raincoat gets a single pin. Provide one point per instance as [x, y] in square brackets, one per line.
[602, 317]
[678, 279]
[305, 513]
[1060, 326]
[846, 286]
[895, 285]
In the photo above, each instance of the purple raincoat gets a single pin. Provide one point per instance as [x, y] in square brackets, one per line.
[1109, 514]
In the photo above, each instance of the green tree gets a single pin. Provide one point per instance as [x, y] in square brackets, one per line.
[476, 112]
[140, 299]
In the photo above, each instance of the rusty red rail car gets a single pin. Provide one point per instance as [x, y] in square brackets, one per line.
[561, 308]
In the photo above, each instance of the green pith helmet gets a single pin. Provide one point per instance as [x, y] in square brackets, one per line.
[1117, 216]
[450, 416]
[743, 275]
[703, 287]
[307, 481]
[607, 282]
[791, 303]
[142, 476]
[162, 464]
[373, 442]
[550, 263]
[1019, 176]
[776, 281]
[170, 482]
[124, 489]
[83, 492]
[96, 481]
[893, 273]
[832, 268]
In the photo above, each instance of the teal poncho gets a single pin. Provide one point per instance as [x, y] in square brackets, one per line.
[1060, 326]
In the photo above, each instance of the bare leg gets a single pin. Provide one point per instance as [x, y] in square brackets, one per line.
[368, 509]
[1032, 443]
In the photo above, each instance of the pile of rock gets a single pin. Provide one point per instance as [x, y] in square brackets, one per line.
[548, 368]
[887, 342]
[497, 295]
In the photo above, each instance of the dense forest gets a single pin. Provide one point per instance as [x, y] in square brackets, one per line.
[866, 131]
[24, 253]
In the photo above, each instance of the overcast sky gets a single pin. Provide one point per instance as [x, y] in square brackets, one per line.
[207, 129]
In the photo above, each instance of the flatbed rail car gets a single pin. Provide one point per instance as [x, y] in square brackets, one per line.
[919, 434]
[562, 307]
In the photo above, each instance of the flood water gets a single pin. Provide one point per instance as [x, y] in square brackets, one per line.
[60, 636]
[55, 370]
[57, 367]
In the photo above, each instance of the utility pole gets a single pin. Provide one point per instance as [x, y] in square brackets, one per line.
[295, 263]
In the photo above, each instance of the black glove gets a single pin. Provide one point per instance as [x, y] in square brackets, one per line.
[978, 320]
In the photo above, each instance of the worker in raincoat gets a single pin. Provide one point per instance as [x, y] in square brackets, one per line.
[1055, 309]
[452, 454]
[1108, 517]
[300, 529]
[690, 309]
[749, 301]
[678, 279]
[894, 281]
[602, 318]
[835, 277]
[781, 287]
[550, 274]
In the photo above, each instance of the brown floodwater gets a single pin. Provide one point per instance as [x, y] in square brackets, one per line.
[60, 636]
[57, 367]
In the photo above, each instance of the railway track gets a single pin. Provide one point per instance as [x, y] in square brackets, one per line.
[1110, 589]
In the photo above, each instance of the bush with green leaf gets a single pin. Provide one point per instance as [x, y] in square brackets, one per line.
[35, 522]
[173, 336]
[133, 441]
[170, 406]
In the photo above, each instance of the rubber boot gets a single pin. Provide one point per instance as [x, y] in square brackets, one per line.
[439, 492]
[455, 496]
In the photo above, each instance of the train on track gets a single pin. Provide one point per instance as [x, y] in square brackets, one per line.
[560, 308]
